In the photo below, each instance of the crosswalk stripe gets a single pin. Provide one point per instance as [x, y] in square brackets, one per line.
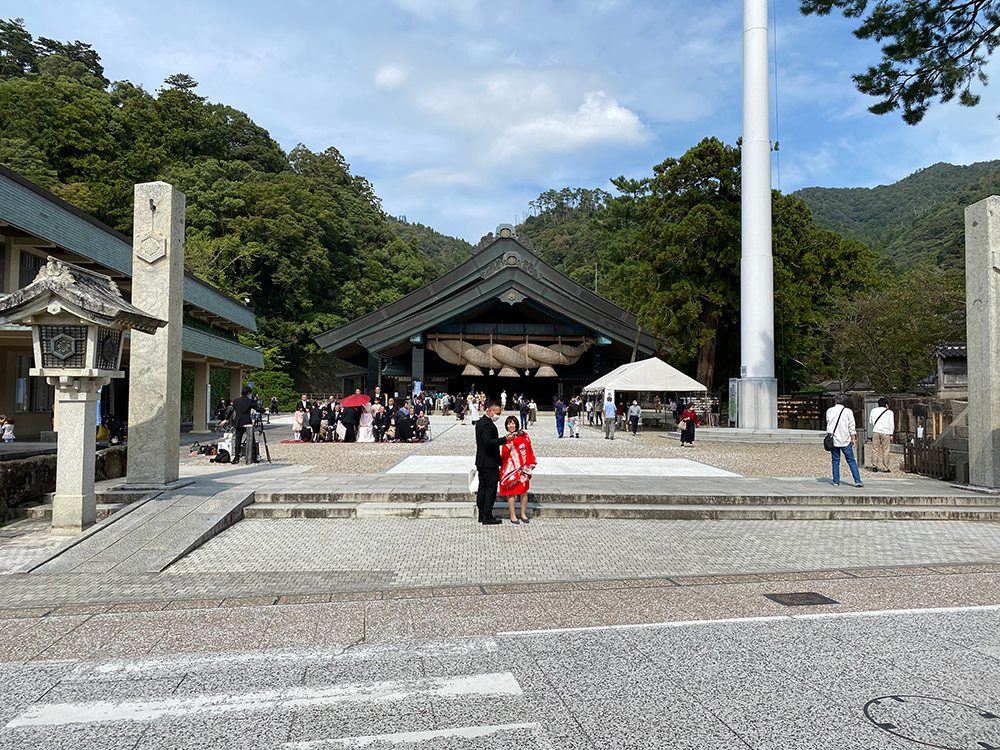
[57, 714]
[411, 737]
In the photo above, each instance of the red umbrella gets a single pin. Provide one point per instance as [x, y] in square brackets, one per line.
[356, 400]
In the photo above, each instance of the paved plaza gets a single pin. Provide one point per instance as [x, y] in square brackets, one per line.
[178, 623]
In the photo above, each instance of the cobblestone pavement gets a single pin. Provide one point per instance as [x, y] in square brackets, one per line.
[456, 552]
[882, 681]
[451, 438]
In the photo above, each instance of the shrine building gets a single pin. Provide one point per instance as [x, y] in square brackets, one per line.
[502, 320]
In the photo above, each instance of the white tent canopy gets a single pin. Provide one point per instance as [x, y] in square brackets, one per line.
[648, 375]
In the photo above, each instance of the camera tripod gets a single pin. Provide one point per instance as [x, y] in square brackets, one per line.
[258, 427]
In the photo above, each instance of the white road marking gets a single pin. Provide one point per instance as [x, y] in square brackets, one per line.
[59, 714]
[770, 618]
[364, 652]
[400, 737]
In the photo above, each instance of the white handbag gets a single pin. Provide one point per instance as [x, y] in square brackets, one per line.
[474, 481]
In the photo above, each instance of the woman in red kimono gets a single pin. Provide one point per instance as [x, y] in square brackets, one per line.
[515, 471]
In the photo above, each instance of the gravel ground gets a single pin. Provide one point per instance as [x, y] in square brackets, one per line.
[451, 438]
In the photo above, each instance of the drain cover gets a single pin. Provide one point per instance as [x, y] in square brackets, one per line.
[801, 599]
[935, 722]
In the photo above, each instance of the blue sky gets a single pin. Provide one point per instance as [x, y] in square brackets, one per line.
[462, 111]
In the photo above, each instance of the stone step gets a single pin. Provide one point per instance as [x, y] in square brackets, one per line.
[361, 510]
[44, 512]
[627, 511]
[848, 496]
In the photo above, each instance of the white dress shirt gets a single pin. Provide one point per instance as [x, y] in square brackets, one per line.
[885, 425]
[845, 428]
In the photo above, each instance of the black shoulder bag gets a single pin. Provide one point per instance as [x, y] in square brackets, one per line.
[828, 439]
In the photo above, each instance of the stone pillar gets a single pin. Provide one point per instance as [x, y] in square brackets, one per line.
[235, 382]
[982, 291]
[155, 360]
[74, 505]
[202, 400]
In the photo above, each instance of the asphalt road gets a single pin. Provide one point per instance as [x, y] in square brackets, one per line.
[837, 681]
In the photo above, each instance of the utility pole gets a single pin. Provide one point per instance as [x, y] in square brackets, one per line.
[758, 388]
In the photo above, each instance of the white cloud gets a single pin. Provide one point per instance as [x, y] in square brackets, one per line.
[600, 120]
[390, 77]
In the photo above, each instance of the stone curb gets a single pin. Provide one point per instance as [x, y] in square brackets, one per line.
[487, 590]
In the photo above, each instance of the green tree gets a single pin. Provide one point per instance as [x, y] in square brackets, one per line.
[884, 337]
[934, 49]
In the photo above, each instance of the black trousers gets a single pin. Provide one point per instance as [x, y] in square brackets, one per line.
[241, 433]
[489, 483]
[349, 433]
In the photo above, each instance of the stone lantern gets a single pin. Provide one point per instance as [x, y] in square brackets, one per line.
[78, 320]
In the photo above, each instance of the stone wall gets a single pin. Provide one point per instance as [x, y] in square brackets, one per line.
[27, 480]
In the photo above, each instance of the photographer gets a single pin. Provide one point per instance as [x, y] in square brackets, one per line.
[240, 417]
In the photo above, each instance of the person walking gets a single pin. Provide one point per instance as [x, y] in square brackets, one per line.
[634, 413]
[522, 408]
[609, 419]
[573, 411]
[883, 424]
[532, 412]
[845, 438]
[560, 417]
[688, 421]
[488, 442]
[518, 461]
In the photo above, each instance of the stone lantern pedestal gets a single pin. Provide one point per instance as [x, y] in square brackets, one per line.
[74, 506]
[78, 320]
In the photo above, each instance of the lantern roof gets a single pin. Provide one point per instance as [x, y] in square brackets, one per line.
[62, 287]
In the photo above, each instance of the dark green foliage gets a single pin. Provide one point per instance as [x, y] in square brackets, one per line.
[916, 221]
[884, 337]
[299, 235]
[668, 250]
[445, 252]
[933, 49]
[566, 236]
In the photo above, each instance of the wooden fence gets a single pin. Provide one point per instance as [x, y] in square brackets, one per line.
[931, 462]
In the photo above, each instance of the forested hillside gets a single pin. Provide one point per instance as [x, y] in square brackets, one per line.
[444, 251]
[299, 234]
[916, 220]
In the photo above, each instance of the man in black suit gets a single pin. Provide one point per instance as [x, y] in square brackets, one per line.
[239, 414]
[378, 397]
[349, 418]
[488, 444]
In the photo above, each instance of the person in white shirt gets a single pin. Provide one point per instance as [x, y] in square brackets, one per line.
[883, 427]
[840, 423]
